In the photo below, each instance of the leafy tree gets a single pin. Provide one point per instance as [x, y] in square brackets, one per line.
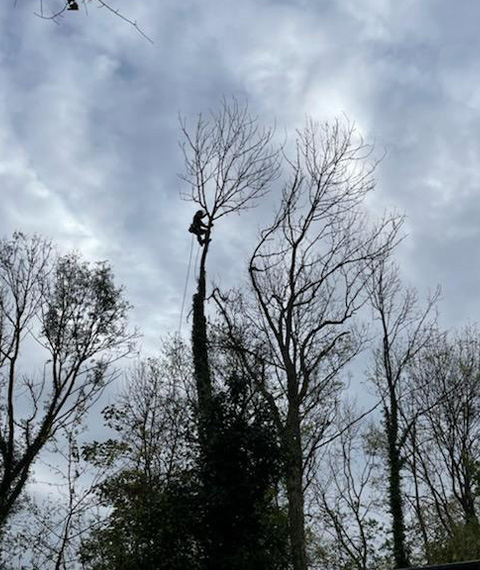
[152, 488]
[461, 543]
[74, 316]
[241, 470]
[154, 525]
[176, 504]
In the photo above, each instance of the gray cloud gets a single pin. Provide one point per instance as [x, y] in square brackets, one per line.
[88, 117]
[89, 129]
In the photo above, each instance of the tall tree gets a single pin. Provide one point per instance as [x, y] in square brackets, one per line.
[173, 507]
[229, 164]
[75, 313]
[241, 470]
[308, 276]
[405, 330]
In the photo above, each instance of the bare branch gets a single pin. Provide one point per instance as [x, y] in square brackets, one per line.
[229, 160]
[55, 14]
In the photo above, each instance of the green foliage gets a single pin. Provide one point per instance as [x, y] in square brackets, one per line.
[75, 315]
[105, 453]
[85, 311]
[219, 512]
[460, 544]
[152, 526]
[241, 469]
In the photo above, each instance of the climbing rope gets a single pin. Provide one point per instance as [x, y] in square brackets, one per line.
[196, 264]
[186, 285]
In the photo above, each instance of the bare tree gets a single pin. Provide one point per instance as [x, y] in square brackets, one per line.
[346, 500]
[308, 277]
[75, 314]
[229, 164]
[53, 526]
[444, 450]
[405, 331]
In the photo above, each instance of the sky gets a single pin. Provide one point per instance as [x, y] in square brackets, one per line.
[89, 129]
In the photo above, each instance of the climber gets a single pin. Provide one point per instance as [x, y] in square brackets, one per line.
[198, 227]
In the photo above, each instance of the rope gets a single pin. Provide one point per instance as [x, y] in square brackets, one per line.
[186, 284]
[196, 263]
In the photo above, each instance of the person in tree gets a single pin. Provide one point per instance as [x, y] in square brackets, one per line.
[198, 227]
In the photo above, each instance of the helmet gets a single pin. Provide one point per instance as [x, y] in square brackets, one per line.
[200, 213]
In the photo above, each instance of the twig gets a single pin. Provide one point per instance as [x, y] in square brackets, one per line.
[101, 4]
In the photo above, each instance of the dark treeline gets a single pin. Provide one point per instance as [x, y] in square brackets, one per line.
[242, 449]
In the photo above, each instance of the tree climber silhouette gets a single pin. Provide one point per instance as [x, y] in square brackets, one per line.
[198, 227]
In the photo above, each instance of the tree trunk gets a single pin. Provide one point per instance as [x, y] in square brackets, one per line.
[415, 469]
[395, 490]
[468, 492]
[200, 347]
[294, 481]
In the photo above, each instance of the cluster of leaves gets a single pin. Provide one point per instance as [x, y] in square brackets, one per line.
[216, 509]
[75, 317]
[241, 470]
[154, 525]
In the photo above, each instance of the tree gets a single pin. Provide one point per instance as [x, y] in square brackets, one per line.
[174, 506]
[151, 486]
[229, 164]
[241, 470]
[74, 313]
[347, 504]
[47, 530]
[154, 525]
[405, 331]
[308, 277]
[444, 451]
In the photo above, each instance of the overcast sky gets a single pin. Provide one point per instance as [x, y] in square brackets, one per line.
[89, 127]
